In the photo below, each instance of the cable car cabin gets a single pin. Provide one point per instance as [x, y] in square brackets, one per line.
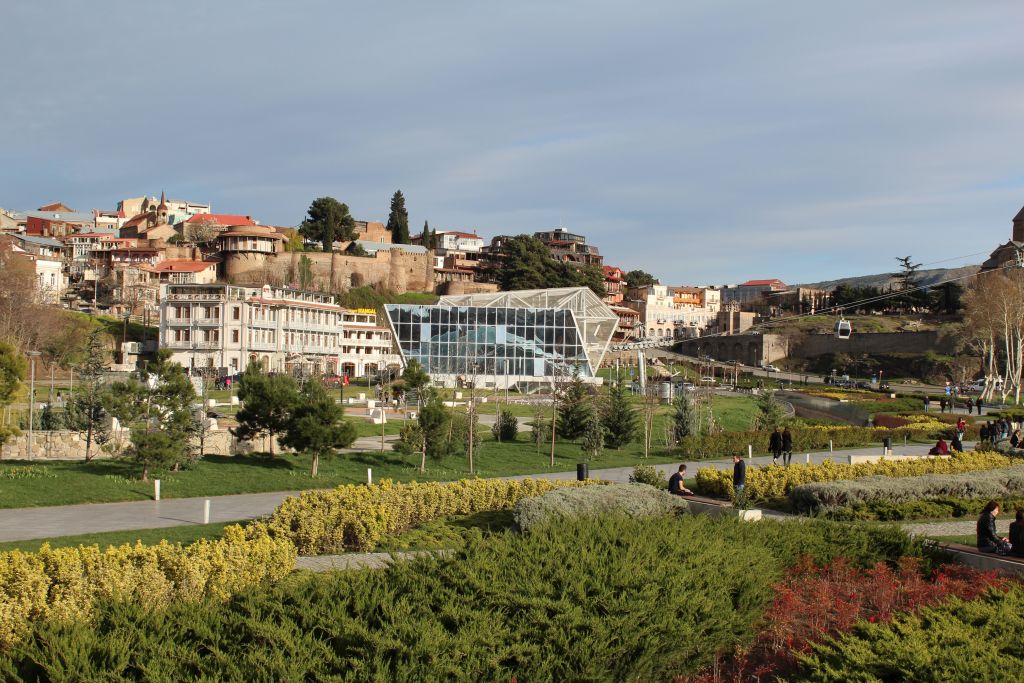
[843, 329]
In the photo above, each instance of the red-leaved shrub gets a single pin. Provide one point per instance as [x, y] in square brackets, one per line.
[814, 602]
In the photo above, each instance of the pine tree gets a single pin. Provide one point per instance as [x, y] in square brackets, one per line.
[619, 418]
[593, 436]
[267, 404]
[85, 411]
[684, 417]
[574, 409]
[769, 411]
[398, 219]
[317, 426]
[328, 220]
[158, 407]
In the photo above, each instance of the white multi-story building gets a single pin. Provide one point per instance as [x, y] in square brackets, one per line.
[366, 346]
[221, 328]
[674, 312]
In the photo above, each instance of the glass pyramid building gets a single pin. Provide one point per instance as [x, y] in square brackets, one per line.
[521, 337]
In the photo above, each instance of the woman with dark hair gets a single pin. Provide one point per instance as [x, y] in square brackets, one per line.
[1017, 534]
[988, 541]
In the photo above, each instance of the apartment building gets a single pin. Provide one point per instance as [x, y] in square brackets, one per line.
[221, 328]
[366, 346]
[674, 312]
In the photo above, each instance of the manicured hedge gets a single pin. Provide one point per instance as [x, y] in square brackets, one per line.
[775, 481]
[65, 583]
[356, 517]
[829, 495]
[586, 599]
[633, 500]
[977, 640]
[927, 508]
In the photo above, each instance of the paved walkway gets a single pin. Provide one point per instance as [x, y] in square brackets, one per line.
[69, 520]
[967, 527]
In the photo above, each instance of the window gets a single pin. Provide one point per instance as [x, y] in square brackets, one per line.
[234, 335]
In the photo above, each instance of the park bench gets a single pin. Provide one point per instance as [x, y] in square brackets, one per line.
[972, 557]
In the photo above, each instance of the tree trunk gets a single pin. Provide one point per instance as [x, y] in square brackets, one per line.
[316, 465]
[88, 441]
[423, 455]
[145, 473]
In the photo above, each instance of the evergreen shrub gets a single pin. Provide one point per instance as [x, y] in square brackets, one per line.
[357, 517]
[829, 495]
[775, 481]
[594, 599]
[957, 642]
[65, 583]
[632, 500]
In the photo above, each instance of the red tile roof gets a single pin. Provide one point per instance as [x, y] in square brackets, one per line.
[761, 283]
[57, 206]
[221, 219]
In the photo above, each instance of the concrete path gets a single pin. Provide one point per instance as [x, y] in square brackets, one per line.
[70, 520]
[330, 563]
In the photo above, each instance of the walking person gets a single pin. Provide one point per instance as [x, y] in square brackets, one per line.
[739, 481]
[927, 403]
[775, 445]
[979, 403]
[942, 404]
[787, 446]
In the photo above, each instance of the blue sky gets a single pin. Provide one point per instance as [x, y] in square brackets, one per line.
[706, 142]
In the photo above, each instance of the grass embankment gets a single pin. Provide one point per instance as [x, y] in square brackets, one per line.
[173, 534]
[33, 484]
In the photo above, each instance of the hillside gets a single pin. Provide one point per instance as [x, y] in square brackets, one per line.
[927, 277]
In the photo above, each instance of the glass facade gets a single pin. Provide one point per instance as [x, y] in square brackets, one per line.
[497, 341]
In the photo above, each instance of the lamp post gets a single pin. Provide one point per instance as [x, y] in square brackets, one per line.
[31, 400]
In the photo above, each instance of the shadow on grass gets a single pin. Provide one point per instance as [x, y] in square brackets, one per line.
[379, 459]
[260, 460]
[487, 520]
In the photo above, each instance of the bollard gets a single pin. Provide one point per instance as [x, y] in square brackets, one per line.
[156, 489]
[206, 511]
[830, 445]
[808, 459]
[750, 452]
[887, 445]
[369, 476]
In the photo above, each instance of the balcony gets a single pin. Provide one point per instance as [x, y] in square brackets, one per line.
[207, 321]
[207, 296]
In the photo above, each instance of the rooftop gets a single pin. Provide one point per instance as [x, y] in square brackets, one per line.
[221, 219]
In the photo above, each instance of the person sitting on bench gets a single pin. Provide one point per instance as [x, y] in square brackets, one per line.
[988, 541]
[677, 485]
[1017, 534]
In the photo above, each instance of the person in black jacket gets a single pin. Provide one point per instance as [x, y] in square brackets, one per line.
[775, 445]
[1017, 534]
[677, 485]
[739, 478]
[787, 446]
[988, 540]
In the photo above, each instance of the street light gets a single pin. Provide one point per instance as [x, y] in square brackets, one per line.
[31, 400]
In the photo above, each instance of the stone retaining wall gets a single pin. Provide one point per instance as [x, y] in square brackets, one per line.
[67, 445]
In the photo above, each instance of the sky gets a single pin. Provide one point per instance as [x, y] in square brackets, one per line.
[706, 142]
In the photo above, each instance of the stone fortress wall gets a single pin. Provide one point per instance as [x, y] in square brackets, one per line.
[392, 269]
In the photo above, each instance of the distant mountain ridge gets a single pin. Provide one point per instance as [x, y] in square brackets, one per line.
[883, 280]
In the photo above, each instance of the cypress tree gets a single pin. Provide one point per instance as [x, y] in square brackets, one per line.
[398, 219]
[619, 419]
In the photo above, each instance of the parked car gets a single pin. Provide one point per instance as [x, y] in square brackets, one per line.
[708, 380]
[771, 368]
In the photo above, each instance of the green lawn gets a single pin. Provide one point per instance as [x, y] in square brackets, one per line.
[967, 539]
[175, 534]
[31, 484]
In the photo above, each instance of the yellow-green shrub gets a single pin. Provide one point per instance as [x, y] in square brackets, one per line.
[64, 583]
[356, 517]
[775, 481]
